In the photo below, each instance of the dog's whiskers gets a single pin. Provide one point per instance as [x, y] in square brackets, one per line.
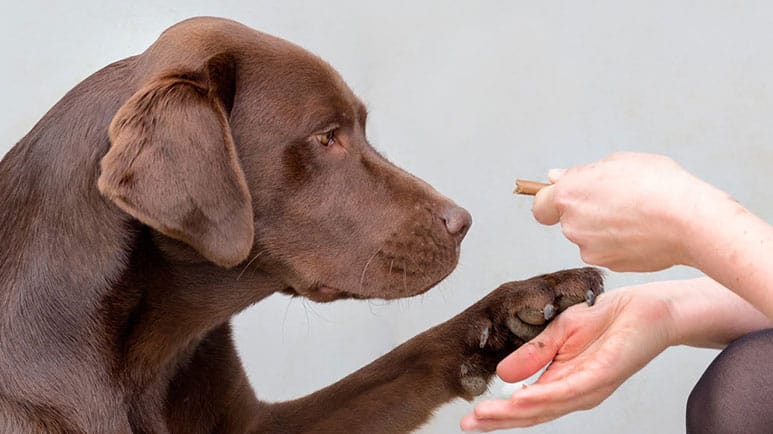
[249, 263]
[284, 320]
[405, 277]
[412, 260]
[306, 312]
[364, 269]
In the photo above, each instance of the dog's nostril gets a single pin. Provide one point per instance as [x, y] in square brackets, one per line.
[457, 220]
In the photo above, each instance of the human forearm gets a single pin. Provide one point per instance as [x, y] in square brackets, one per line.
[735, 248]
[703, 313]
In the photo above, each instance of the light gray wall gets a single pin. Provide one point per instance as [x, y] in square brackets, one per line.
[468, 95]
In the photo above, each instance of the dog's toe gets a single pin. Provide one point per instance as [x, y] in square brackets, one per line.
[472, 382]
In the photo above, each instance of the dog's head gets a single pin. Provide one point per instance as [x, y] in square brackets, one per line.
[252, 151]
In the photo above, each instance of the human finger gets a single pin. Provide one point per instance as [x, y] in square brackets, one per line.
[544, 207]
[517, 412]
[532, 356]
[574, 390]
[471, 423]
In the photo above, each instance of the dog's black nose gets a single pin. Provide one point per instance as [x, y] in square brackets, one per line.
[457, 220]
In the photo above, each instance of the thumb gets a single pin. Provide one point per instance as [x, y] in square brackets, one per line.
[531, 356]
[544, 207]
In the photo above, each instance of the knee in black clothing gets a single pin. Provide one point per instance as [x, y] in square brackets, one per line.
[735, 394]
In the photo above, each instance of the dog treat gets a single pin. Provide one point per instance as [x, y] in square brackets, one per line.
[530, 188]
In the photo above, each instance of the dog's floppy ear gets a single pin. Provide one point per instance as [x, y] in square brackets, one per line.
[173, 166]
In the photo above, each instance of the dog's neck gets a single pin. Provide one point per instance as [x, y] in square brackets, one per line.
[164, 307]
[156, 308]
[63, 245]
[69, 255]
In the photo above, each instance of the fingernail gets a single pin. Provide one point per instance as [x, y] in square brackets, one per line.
[554, 174]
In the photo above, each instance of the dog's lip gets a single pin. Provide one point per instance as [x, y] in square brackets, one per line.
[323, 293]
[327, 290]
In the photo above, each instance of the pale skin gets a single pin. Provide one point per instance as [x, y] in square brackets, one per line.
[637, 212]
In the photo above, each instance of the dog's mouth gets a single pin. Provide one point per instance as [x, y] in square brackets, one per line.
[385, 275]
[324, 293]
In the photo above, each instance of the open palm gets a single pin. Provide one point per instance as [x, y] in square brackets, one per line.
[591, 351]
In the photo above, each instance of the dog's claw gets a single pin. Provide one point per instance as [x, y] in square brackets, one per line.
[484, 337]
[549, 312]
[590, 297]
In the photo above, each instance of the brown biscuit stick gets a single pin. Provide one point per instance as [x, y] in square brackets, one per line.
[530, 188]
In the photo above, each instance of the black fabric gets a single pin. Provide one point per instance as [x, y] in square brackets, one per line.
[735, 394]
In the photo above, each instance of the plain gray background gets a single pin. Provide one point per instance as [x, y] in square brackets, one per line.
[468, 96]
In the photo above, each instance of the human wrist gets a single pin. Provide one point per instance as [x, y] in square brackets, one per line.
[684, 311]
[676, 311]
[699, 220]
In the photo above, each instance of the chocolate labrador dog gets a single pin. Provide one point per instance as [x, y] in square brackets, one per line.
[173, 189]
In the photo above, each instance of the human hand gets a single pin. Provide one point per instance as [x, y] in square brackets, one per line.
[627, 212]
[593, 350]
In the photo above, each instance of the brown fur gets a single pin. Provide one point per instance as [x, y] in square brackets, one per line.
[171, 190]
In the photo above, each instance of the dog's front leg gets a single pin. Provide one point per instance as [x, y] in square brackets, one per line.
[398, 392]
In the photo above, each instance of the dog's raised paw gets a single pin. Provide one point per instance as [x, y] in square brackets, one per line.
[515, 313]
[527, 306]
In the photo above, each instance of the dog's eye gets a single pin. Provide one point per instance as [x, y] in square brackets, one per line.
[327, 138]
